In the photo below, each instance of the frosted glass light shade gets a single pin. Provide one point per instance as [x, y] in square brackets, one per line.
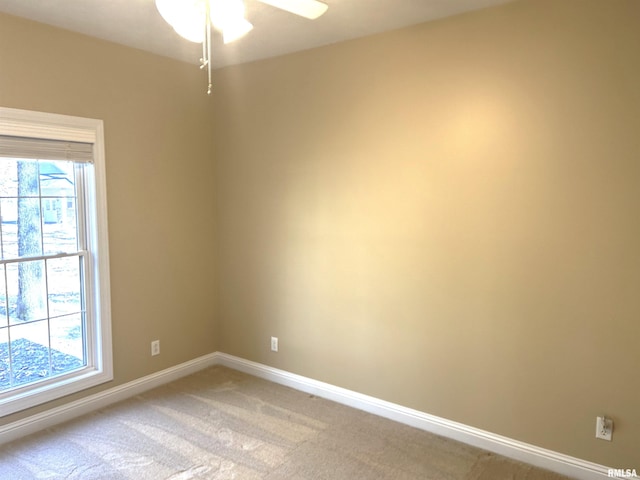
[187, 17]
[225, 13]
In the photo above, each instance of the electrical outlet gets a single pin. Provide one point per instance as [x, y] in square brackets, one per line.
[274, 344]
[604, 428]
[155, 347]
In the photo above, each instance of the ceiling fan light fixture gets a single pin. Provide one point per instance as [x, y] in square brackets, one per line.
[194, 19]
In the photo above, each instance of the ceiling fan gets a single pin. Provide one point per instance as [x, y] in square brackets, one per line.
[193, 19]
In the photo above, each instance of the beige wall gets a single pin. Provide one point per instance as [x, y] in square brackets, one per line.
[446, 217]
[159, 181]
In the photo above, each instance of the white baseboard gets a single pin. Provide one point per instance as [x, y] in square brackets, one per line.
[539, 457]
[71, 410]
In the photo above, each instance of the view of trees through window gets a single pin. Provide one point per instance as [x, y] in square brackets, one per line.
[42, 311]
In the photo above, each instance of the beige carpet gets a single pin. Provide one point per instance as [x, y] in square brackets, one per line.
[221, 424]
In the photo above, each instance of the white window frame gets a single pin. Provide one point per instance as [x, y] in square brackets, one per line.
[24, 123]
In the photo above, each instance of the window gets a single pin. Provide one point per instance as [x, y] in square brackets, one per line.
[55, 326]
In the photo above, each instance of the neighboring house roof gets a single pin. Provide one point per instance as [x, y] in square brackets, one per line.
[51, 171]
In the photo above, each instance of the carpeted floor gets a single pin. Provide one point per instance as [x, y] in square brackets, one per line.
[222, 424]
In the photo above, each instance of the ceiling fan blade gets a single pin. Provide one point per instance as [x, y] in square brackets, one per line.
[310, 9]
[234, 30]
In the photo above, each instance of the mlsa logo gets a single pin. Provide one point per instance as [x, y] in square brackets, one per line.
[623, 473]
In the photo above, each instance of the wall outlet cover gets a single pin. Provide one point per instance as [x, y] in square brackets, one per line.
[604, 428]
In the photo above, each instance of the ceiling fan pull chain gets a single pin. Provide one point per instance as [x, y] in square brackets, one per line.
[208, 40]
[205, 61]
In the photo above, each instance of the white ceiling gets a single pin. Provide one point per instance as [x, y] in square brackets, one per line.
[137, 23]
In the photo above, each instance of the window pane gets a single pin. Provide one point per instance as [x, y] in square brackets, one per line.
[28, 178]
[60, 227]
[27, 291]
[67, 352]
[29, 352]
[9, 225]
[57, 184]
[29, 236]
[63, 279]
[57, 179]
[8, 177]
[5, 376]
[3, 298]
